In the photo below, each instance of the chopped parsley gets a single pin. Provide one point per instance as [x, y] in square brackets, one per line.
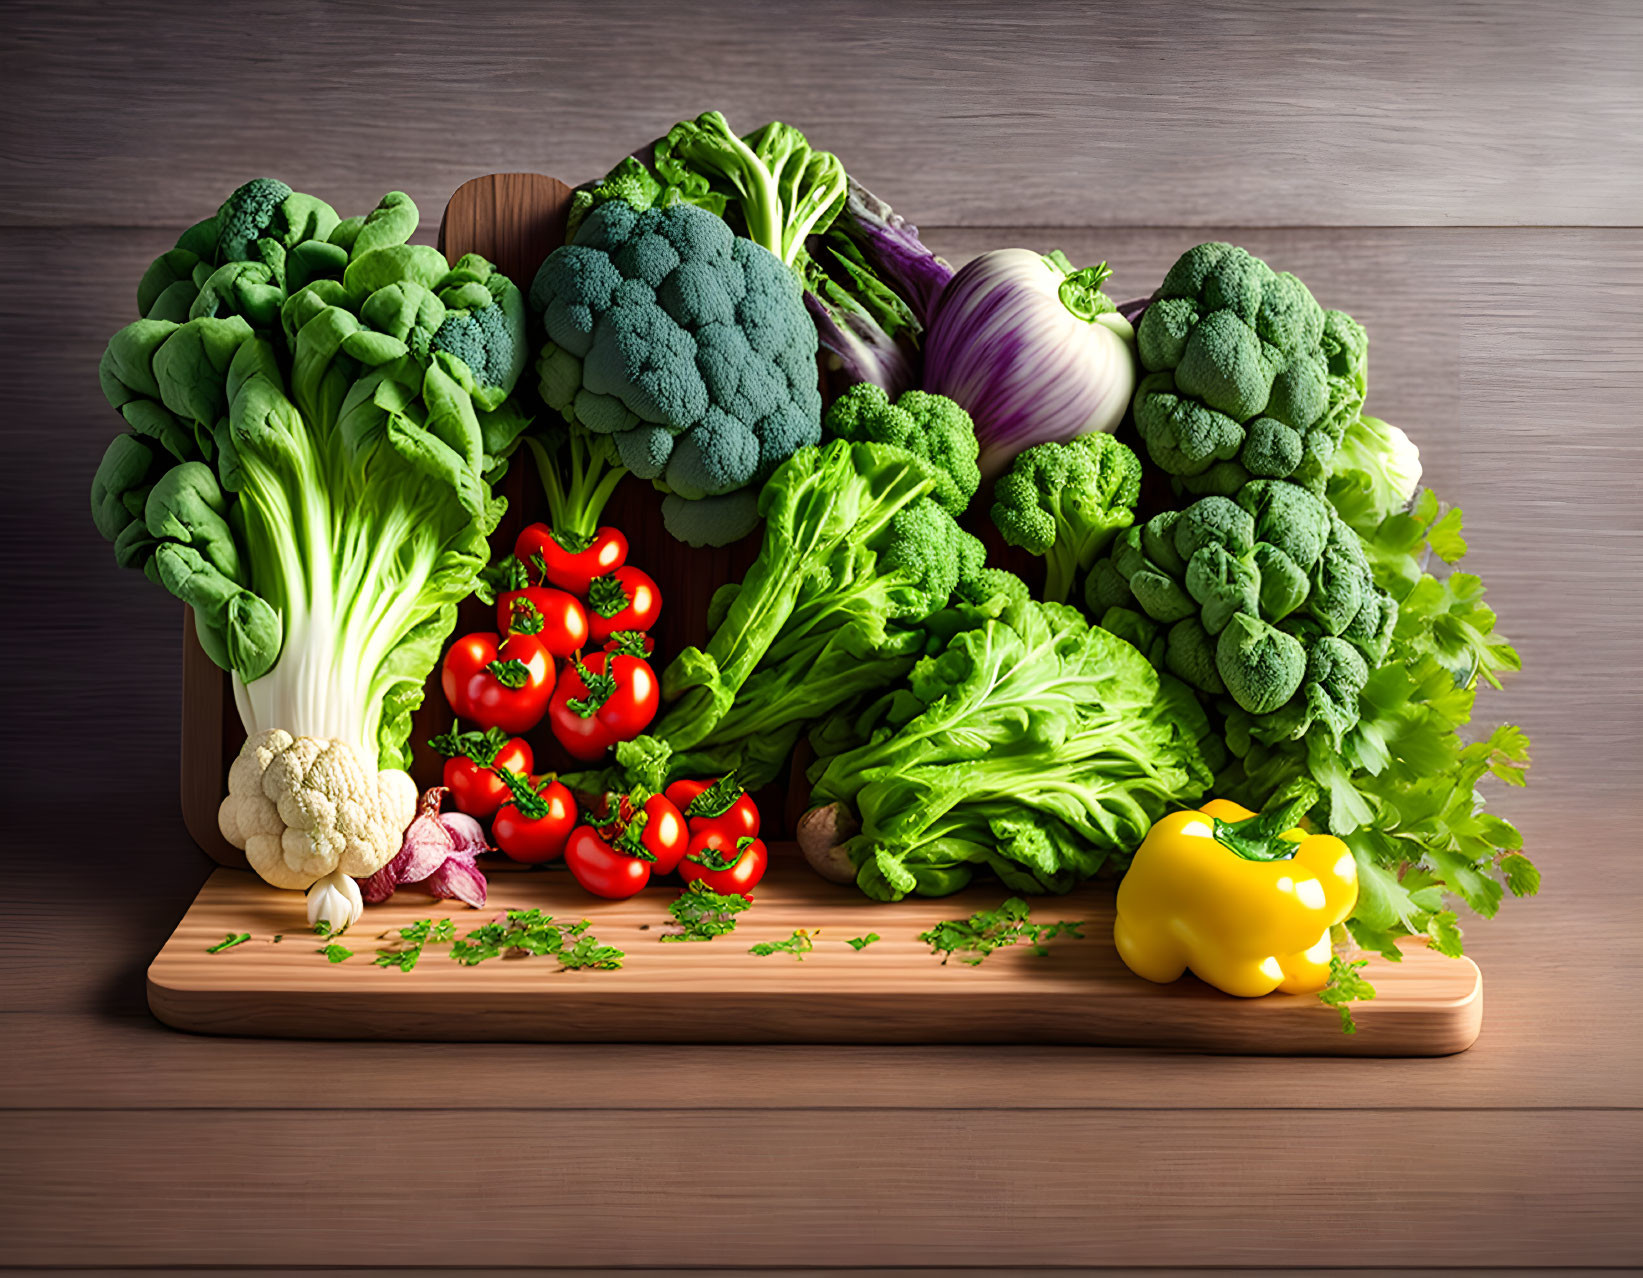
[859, 943]
[704, 914]
[1346, 986]
[335, 953]
[973, 939]
[798, 945]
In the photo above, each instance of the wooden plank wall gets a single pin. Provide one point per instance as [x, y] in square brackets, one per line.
[1466, 178]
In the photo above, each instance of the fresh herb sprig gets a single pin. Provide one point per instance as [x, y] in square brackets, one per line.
[859, 943]
[704, 914]
[798, 945]
[974, 938]
[1346, 986]
[412, 938]
[229, 942]
[517, 934]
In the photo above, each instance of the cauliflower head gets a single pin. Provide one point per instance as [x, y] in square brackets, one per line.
[1247, 376]
[687, 344]
[303, 808]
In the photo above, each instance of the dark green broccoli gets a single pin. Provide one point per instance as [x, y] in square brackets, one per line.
[1265, 597]
[931, 427]
[1065, 502]
[1247, 374]
[483, 326]
[688, 346]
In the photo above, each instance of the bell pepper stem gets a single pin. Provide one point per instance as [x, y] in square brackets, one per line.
[1259, 838]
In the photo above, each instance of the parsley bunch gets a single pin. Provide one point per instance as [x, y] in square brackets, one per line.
[704, 914]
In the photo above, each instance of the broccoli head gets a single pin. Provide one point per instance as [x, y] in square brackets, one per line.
[1247, 376]
[1065, 502]
[933, 428]
[689, 346]
[1266, 597]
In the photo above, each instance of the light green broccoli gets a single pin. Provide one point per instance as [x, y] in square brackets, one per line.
[1265, 597]
[1065, 502]
[931, 427]
[685, 344]
[1247, 376]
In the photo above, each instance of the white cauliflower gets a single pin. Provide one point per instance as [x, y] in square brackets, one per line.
[303, 808]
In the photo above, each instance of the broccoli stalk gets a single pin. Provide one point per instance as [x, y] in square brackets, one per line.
[574, 508]
[1066, 502]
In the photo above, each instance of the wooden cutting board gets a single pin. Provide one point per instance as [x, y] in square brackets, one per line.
[893, 991]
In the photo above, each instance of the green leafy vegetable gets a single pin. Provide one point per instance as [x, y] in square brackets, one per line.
[520, 932]
[316, 483]
[1031, 744]
[798, 945]
[335, 953]
[862, 942]
[229, 942]
[985, 931]
[587, 952]
[412, 938]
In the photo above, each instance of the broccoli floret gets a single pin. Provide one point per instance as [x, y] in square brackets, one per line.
[931, 427]
[484, 327]
[1247, 375]
[1065, 502]
[1266, 593]
[687, 345]
[245, 216]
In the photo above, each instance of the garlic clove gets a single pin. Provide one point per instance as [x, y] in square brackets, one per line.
[336, 899]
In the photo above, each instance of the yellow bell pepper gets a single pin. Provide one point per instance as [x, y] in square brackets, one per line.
[1242, 900]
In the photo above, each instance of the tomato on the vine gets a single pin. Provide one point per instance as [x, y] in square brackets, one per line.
[724, 864]
[472, 761]
[534, 825]
[623, 599]
[569, 561]
[498, 683]
[555, 618]
[601, 699]
[719, 804]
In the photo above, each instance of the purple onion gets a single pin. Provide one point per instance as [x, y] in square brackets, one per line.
[1032, 350]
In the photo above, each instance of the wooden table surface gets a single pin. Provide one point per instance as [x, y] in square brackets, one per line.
[1466, 179]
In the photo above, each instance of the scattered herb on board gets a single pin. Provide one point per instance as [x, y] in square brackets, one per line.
[516, 934]
[1346, 987]
[587, 952]
[859, 943]
[322, 927]
[973, 939]
[412, 938]
[798, 945]
[704, 913]
[229, 942]
[335, 953]
[278, 937]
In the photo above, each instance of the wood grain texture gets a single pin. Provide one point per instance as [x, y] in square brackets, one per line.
[712, 1184]
[893, 991]
[1179, 113]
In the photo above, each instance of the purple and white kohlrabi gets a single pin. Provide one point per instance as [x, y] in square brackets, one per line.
[1032, 349]
[870, 286]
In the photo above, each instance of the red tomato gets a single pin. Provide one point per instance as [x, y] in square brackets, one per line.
[602, 869]
[725, 865]
[499, 685]
[534, 831]
[471, 763]
[591, 710]
[625, 599]
[719, 804]
[557, 564]
[555, 618]
[665, 834]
